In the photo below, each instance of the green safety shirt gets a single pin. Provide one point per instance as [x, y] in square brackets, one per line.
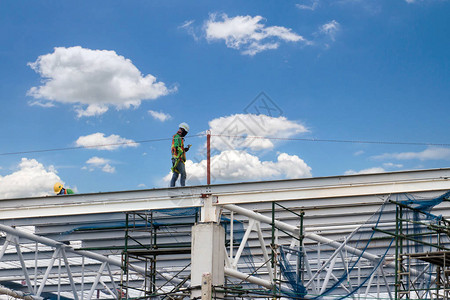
[65, 191]
[178, 148]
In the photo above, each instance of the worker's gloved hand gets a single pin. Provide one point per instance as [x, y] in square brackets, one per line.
[187, 148]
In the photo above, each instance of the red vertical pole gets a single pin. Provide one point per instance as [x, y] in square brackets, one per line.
[208, 157]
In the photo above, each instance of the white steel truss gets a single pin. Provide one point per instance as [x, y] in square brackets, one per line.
[43, 265]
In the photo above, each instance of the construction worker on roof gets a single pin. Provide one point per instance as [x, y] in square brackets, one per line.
[179, 155]
[60, 190]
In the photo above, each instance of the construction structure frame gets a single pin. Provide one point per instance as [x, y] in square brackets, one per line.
[408, 285]
[252, 237]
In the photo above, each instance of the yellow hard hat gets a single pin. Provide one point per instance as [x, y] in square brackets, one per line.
[57, 187]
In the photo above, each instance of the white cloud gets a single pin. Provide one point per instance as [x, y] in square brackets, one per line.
[108, 169]
[392, 165]
[312, 5]
[233, 165]
[160, 116]
[248, 33]
[31, 179]
[188, 26]
[366, 171]
[234, 135]
[99, 163]
[41, 104]
[227, 131]
[97, 140]
[432, 153]
[388, 165]
[91, 110]
[330, 29]
[92, 81]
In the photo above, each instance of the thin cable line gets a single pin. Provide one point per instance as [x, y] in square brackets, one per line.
[231, 136]
[90, 147]
[333, 140]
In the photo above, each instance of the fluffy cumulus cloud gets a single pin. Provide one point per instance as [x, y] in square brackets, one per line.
[101, 142]
[249, 131]
[248, 34]
[160, 116]
[99, 163]
[234, 141]
[31, 179]
[92, 81]
[234, 165]
[432, 153]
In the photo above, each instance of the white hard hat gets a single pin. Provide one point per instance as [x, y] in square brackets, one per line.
[185, 126]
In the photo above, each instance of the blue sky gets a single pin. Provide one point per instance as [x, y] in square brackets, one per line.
[295, 74]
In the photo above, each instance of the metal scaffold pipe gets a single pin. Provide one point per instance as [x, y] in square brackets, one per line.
[17, 294]
[52, 243]
[294, 229]
[315, 237]
[89, 254]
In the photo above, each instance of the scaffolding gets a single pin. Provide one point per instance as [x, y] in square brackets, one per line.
[280, 272]
[421, 274]
[36, 233]
[139, 253]
[401, 252]
[280, 254]
[142, 248]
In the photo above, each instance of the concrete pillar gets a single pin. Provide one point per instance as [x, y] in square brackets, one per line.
[207, 256]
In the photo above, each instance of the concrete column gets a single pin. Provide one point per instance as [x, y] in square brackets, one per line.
[207, 256]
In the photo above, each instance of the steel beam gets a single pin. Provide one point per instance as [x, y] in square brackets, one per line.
[237, 193]
[345, 188]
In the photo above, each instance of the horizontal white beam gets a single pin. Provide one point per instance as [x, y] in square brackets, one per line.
[237, 193]
[380, 184]
[84, 204]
